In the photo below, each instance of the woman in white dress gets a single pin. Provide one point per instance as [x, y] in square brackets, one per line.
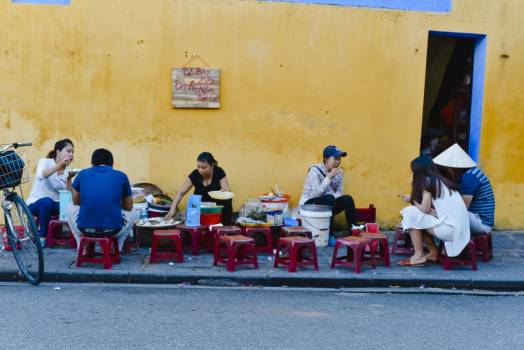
[52, 175]
[437, 210]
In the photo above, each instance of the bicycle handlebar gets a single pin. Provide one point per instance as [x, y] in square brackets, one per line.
[23, 144]
[16, 145]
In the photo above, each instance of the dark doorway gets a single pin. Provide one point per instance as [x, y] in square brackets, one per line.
[448, 93]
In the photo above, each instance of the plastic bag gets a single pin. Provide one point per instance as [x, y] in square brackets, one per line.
[193, 210]
[65, 198]
[251, 208]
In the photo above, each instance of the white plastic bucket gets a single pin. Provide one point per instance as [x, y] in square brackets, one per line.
[318, 223]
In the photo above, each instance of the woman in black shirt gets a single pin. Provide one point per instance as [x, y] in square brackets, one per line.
[207, 177]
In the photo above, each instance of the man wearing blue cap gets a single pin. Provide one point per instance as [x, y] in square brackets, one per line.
[323, 185]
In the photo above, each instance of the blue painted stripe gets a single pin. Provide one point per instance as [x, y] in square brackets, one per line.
[43, 2]
[477, 97]
[408, 5]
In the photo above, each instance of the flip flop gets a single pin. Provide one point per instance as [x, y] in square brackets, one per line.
[407, 262]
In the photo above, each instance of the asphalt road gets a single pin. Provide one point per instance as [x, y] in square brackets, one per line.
[161, 317]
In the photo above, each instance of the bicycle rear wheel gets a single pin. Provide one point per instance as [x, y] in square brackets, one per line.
[23, 237]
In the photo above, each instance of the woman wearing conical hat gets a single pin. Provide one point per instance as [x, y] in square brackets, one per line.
[475, 187]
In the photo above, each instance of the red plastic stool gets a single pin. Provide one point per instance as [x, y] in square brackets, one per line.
[5, 240]
[484, 244]
[54, 237]
[266, 232]
[400, 238]
[296, 245]
[233, 245]
[467, 257]
[355, 250]
[291, 231]
[174, 252]
[109, 255]
[219, 231]
[196, 233]
[379, 242]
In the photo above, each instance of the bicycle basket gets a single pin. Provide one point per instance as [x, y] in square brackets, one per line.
[12, 166]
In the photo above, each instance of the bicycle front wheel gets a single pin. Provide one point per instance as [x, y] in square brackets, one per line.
[24, 239]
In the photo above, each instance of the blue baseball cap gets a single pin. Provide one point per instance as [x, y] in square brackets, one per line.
[334, 151]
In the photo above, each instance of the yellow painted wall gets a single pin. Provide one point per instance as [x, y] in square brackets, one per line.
[294, 78]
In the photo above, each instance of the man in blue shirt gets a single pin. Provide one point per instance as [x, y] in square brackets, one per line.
[475, 188]
[478, 195]
[103, 201]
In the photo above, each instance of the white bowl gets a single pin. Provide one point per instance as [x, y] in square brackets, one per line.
[221, 195]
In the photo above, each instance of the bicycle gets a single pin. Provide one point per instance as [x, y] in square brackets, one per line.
[20, 225]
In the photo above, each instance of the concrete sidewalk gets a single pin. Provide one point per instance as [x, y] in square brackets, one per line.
[504, 272]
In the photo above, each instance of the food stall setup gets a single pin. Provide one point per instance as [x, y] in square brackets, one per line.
[152, 205]
[268, 210]
[265, 211]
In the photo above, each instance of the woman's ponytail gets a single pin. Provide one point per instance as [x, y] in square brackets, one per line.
[51, 154]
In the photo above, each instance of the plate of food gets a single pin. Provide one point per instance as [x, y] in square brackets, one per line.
[249, 222]
[221, 195]
[157, 222]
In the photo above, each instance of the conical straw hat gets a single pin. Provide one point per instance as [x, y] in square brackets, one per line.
[455, 157]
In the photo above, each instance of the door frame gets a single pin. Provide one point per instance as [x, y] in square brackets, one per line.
[477, 88]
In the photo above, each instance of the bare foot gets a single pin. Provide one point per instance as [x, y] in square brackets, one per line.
[417, 259]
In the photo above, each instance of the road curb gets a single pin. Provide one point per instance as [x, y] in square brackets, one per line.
[295, 280]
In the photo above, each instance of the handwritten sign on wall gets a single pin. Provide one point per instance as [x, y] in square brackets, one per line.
[196, 87]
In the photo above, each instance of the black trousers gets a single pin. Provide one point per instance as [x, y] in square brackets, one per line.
[227, 211]
[343, 203]
[98, 232]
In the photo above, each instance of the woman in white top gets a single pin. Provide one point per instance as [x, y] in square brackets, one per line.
[437, 210]
[51, 176]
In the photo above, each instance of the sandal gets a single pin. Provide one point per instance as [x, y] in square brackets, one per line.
[407, 262]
